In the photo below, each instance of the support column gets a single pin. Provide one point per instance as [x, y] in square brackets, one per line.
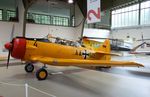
[139, 19]
[21, 16]
[72, 15]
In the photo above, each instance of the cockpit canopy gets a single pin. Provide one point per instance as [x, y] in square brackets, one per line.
[57, 40]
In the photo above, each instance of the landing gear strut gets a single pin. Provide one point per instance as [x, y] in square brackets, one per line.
[29, 67]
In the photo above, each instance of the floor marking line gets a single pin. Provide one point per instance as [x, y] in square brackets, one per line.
[22, 85]
[19, 85]
[42, 91]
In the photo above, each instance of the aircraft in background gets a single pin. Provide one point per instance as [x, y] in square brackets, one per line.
[143, 48]
[142, 51]
[60, 52]
[116, 44]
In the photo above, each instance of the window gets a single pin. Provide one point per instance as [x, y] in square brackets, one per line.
[47, 19]
[37, 19]
[127, 16]
[10, 14]
[63, 21]
[145, 12]
[0, 14]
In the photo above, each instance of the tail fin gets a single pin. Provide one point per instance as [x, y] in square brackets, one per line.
[105, 47]
[97, 46]
[91, 44]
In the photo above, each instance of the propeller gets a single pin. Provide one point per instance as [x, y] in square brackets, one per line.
[8, 46]
[9, 54]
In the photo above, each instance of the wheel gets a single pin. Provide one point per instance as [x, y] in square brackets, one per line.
[29, 67]
[41, 74]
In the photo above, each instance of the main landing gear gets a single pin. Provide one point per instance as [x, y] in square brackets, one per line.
[41, 74]
[29, 67]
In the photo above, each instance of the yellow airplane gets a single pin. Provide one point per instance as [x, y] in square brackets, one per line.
[61, 52]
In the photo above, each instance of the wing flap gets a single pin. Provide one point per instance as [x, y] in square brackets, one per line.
[79, 62]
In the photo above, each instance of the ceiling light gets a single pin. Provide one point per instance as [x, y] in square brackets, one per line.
[70, 1]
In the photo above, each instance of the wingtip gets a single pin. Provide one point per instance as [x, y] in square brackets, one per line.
[137, 64]
[141, 65]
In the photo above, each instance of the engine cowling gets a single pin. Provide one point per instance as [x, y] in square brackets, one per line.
[17, 47]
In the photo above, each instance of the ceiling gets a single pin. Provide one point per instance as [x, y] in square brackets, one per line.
[61, 6]
[8, 4]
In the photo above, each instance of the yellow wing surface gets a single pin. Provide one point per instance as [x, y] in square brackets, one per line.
[101, 52]
[77, 62]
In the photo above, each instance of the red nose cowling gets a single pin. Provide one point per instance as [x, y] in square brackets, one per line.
[17, 47]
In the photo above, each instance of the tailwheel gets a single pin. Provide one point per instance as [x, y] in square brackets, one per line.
[41, 74]
[29, 67]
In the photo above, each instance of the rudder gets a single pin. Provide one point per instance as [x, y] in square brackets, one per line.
[105, 47]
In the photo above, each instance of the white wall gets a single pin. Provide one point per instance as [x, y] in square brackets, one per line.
[34, 30]
[79, 21]
[98, 33]
[134, 33]
[5, 34]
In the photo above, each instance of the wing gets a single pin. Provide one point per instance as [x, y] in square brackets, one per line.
[106, 53]
[79, 62]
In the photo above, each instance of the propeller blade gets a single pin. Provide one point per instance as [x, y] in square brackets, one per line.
[9, 47]
[9, 53]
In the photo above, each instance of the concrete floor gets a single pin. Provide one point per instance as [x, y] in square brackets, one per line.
[76, 82]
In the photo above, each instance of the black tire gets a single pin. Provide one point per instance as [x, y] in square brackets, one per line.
[29, 67]
[41, 74]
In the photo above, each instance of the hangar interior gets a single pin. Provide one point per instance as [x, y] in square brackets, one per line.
[125, 22]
